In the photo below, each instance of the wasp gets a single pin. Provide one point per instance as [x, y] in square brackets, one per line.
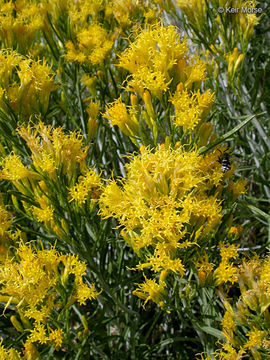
[224, 160]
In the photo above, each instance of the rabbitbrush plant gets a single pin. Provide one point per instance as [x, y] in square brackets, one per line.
[134, 192]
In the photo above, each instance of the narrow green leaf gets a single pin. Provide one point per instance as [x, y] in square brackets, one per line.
[258, 211]
[212, 331]
[228, 134]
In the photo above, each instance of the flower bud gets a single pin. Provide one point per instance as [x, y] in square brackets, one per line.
[15, 322]
[148, 104]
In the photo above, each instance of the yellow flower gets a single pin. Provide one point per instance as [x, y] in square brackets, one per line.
[228, 252]
[204, 268]
[10, 354]
[155, 197]
[151, 290]
[247, 22]
[57, 337]
[187, 111]
[73, 54]
[85, 292]
[93, 109]
[93, 43]
[162, 260]
[13, 169]
[118, 115]
[235, 232]
[194, 10]
[52, 149]
[31, 282]
[89, 183]
[228, 352]
[30, 351]
[44, 214]
[228, 322]
[73, 266]
[195, 73]
[225, 273]
[205, 101]
[35, 274]
[38, 334]
[255, 338]
[19, 24]
[79, 193]
[163, 205]
[190, 108]
[155, 81]
[27, 83]
[151, 58]
[26, 280]
[239, 188]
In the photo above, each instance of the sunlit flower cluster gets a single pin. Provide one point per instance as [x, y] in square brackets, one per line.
[118, 114]
[31, 282]
[93, 46]
[226, 270]
[110, 150]
[53, 153]
[90, 183]
[154, 58]
[163, 204]
[52, 150]
[25, 84]
[20, 22]
[190, 109]
[249, 313]
[159, 62]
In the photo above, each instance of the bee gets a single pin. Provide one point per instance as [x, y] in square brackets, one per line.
[224, 160]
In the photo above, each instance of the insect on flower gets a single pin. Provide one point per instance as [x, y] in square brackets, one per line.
[224, 160]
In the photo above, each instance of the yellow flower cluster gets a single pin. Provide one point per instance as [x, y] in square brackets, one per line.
[163, 204]
[159, 62]
[93, 45]
[90, 183]
[151, 290]
[236, 22]
[13, 168]
[94, 41]
[204, 268]
[19, 23]
[126, 11]
[26, 84]
[152, 59]
[117, 13]
[44, 213]
[31, 283]
[249, 312]
[52, 150]
[78, 11]
[190, 109]
[226, 271]
[53, 154]
[9, 354]
[127, 121]
[247, 22]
